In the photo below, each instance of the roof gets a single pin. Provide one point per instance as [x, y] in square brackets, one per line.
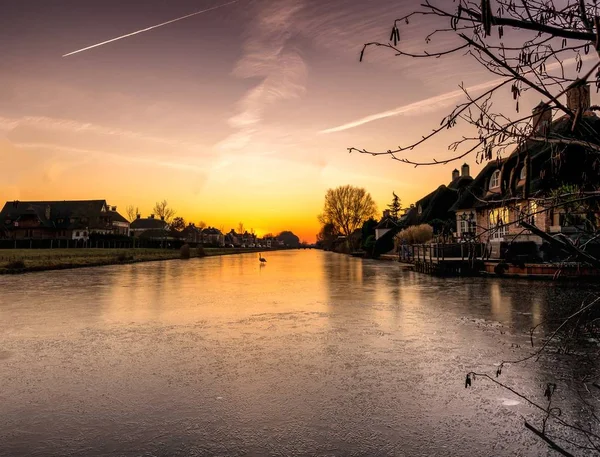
[572, 164]
[211, 231]
[155, 233]
[148, 224]
[550, 166]
[65, 214]
[479, 189]
[116, 217]
[386, 223]
[460, 182]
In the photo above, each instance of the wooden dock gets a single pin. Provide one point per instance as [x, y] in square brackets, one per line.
[444, 259]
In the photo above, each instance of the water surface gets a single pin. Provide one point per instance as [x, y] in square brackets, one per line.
[312, 354]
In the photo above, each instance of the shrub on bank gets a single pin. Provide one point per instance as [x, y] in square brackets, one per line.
[184, 252]
[17, 264]
[416, 234]
[124, 257]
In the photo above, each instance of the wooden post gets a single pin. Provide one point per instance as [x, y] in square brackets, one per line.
[462, 251]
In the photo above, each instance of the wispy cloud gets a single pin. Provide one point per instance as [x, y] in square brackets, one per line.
[425, 105]
[151, 161]
[432, 103]
[71, 126]
[269, 56]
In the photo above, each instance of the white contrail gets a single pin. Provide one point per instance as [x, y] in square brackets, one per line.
[150, 28]
[436, 102]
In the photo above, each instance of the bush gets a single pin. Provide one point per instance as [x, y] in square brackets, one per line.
[415, 234]
[201, 252]
[123, 257]
[184, 252]
[17, 264]
[383, 246]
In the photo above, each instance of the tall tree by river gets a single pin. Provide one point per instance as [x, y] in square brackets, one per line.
[347, 208]
[550, 48]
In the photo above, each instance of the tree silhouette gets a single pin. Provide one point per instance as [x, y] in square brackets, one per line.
[347, 207]
[178, 224]
[162, 210]
[395, 207]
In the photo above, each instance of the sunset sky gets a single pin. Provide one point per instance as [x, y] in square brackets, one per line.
[243, 113]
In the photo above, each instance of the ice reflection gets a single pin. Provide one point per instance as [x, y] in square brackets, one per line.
[313, 354]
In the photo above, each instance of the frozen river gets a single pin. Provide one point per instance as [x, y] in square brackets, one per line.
[313, 354]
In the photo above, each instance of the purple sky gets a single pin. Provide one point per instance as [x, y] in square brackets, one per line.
[239, 114]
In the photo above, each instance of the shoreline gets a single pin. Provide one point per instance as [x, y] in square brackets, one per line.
[38, 260]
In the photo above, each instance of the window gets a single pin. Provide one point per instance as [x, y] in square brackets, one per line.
[76, 233]
[523, 173]
[526, 212]
[495, 181]
[498, 223]
[466, 226]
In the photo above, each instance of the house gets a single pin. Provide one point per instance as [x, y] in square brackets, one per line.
[213, 236]
[120, 225]
[524, 186]
[470, 218]
[232, 238]
[192, 234]
[435, 208]
[139, 225]
[68, 219]
[385, 225]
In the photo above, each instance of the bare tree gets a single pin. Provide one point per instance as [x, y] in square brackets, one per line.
[163, 210]
[178, 223]
[347, 207]
[548, 47]
[562, 39]
[240, 228]
[132, 212]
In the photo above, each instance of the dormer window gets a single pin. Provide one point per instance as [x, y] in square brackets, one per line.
[523, 173]
[420, 210]
[495, 181]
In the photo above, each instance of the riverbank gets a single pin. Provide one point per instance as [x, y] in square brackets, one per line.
[15, 261]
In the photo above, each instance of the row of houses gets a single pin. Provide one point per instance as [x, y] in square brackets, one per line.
[522, 187]
[83, 219]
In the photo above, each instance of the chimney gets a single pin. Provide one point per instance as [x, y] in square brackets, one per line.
[465, 170]
[151, 216]
[138, 216]
[455, 174]
[114, 208]
[541, 118]
[578, 98]
[162, 218]
[386, 213]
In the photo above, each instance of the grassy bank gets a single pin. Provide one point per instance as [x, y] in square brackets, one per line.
[27, 260]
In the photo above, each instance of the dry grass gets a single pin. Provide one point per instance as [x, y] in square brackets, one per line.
[416, 234]
[22, 260]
